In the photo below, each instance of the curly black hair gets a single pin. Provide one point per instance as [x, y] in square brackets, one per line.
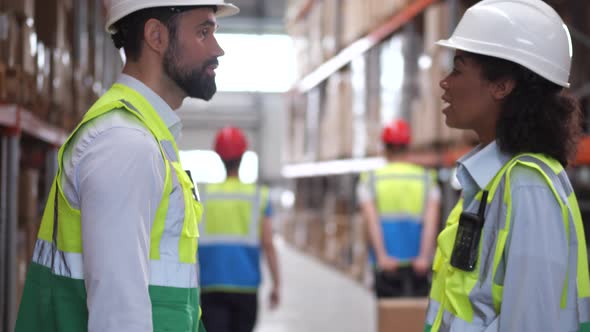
[538, 116]
[130, 29]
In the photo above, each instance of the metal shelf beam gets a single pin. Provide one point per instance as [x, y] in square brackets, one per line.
[16, 118]
[443, 158]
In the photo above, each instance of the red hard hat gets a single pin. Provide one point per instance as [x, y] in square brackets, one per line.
[397, 132]
[230, 143]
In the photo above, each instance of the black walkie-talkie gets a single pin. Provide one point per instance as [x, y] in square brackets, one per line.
[194, 190]
[466, 248]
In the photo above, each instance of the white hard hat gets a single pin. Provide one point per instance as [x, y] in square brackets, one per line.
[117, 9]
[527, 32]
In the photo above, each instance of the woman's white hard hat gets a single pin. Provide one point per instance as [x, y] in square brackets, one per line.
[117, 9]
[527, 32]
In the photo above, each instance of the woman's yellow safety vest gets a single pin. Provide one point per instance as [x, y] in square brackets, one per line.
[54, 297]
[469, 301]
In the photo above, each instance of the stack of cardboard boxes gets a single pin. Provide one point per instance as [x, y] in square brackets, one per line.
[336, 123]
[54, 19]
[49, 65]
[17, 51]
[399, 78]
[329, 25]
[54, 58]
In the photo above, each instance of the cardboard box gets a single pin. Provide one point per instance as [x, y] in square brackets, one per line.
[329, 141]
[356, 20]
[301, 43]
[10, 40]
[314, 21]
[359, 87]
[81, 41]
[337, 243]
[404, 314]
[96, 40]
[10, 84]
[336, 127]
[97, 44]
[302, 228]
[359, 248]
[295, 151]
[62, 81]
[315, 234]
[288, 228]
[312, 124]
[53, 21]
[372, 121]
[28, 195]
[42, 98]
[22, 8]
[17, 58]
[347, 118]
[331, 28]
[382, 10]
[27, 48]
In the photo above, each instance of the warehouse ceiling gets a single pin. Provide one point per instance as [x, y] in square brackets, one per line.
[256, 16]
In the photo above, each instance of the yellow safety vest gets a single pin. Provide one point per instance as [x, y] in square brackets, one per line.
[401, 193]
[229, 251]
[54, 297]
[450, 301]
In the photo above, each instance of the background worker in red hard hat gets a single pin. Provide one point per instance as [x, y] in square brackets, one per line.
[236, 226]
[400, 204]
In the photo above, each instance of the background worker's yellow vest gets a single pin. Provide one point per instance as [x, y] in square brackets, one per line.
[453, 289]
[54, 297]
[401, 193]
[229, 246]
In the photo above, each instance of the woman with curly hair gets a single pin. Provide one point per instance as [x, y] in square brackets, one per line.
[512, 256]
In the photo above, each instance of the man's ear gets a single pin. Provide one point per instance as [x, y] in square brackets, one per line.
[155, 34]
[501, 88]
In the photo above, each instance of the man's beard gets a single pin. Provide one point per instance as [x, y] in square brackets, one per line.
[196, 83]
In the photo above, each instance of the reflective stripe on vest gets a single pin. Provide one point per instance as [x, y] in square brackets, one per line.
[58, 260]
[252, 238]
[454, 299]
[230, 236]
[174, 232]
[401, 193]
[390, 181]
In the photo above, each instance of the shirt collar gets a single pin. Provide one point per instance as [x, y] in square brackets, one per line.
[482, 164]
[170, 118]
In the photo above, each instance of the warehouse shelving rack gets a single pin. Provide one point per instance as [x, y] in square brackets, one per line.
[314, 174]
[16, 123]
[360, 46]
[444, 157]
